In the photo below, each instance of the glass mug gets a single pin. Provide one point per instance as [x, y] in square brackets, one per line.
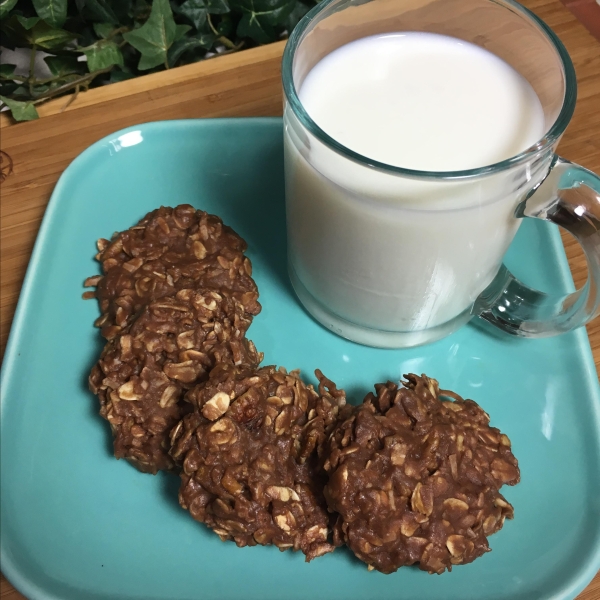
[393, 257]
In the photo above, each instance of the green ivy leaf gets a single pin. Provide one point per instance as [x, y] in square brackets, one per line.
[21, 111]
[103, 30]
[54, 12]
[195, 11]
[259, 17]
[217, 7]
[181, 31]
[7, 70]
[103, 55]
[38, 90]
[99, 11]
[47, 37]
[294, 17]
[28, 23]
[154, 38]
[252, 27]
[189, 43]
[6, 6]
[63, 65]
[117, 75]
[20, 91]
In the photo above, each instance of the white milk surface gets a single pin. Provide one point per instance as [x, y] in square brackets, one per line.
[393, 253]
[423, 101]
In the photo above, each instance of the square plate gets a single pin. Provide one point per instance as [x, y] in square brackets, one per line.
[76, 524]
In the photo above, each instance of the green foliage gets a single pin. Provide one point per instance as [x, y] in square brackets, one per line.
[47, 37]
[104, 30]
[189, 43]
[96, 42]
[21, 111]
[6, 6]
[197, 11]
[102, 55]
[28, 23]
[54, 12]
[98, 10]
[61, 66]
[259, 18]
[154, 38]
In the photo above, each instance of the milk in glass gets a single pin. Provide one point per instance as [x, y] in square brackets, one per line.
[400, 252]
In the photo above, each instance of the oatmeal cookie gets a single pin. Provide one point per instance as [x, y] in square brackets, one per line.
[168, 250]
[414, 474]
[145, 370]
[250, 455]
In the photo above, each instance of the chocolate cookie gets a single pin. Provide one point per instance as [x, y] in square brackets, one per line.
[250, 457]
[415, 476]
[145, 370]
[168, 250]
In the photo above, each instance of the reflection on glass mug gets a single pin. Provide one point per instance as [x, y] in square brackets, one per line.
[417, 136]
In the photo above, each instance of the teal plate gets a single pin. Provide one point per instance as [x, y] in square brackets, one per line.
[76, 524]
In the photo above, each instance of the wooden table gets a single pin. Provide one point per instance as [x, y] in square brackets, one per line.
[244, 84]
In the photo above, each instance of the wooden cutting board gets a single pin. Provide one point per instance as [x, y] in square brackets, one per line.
[243, 84]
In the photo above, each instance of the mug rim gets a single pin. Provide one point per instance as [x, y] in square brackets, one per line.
[542, 145]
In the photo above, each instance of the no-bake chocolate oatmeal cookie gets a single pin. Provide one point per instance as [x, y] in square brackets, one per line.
[414, 475]
[176, 298]
[250, 457]
[144, 370]
[168, 250]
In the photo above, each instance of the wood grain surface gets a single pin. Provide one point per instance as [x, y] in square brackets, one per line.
[244, 84]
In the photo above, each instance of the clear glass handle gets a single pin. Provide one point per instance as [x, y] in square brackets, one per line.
[569, 197]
